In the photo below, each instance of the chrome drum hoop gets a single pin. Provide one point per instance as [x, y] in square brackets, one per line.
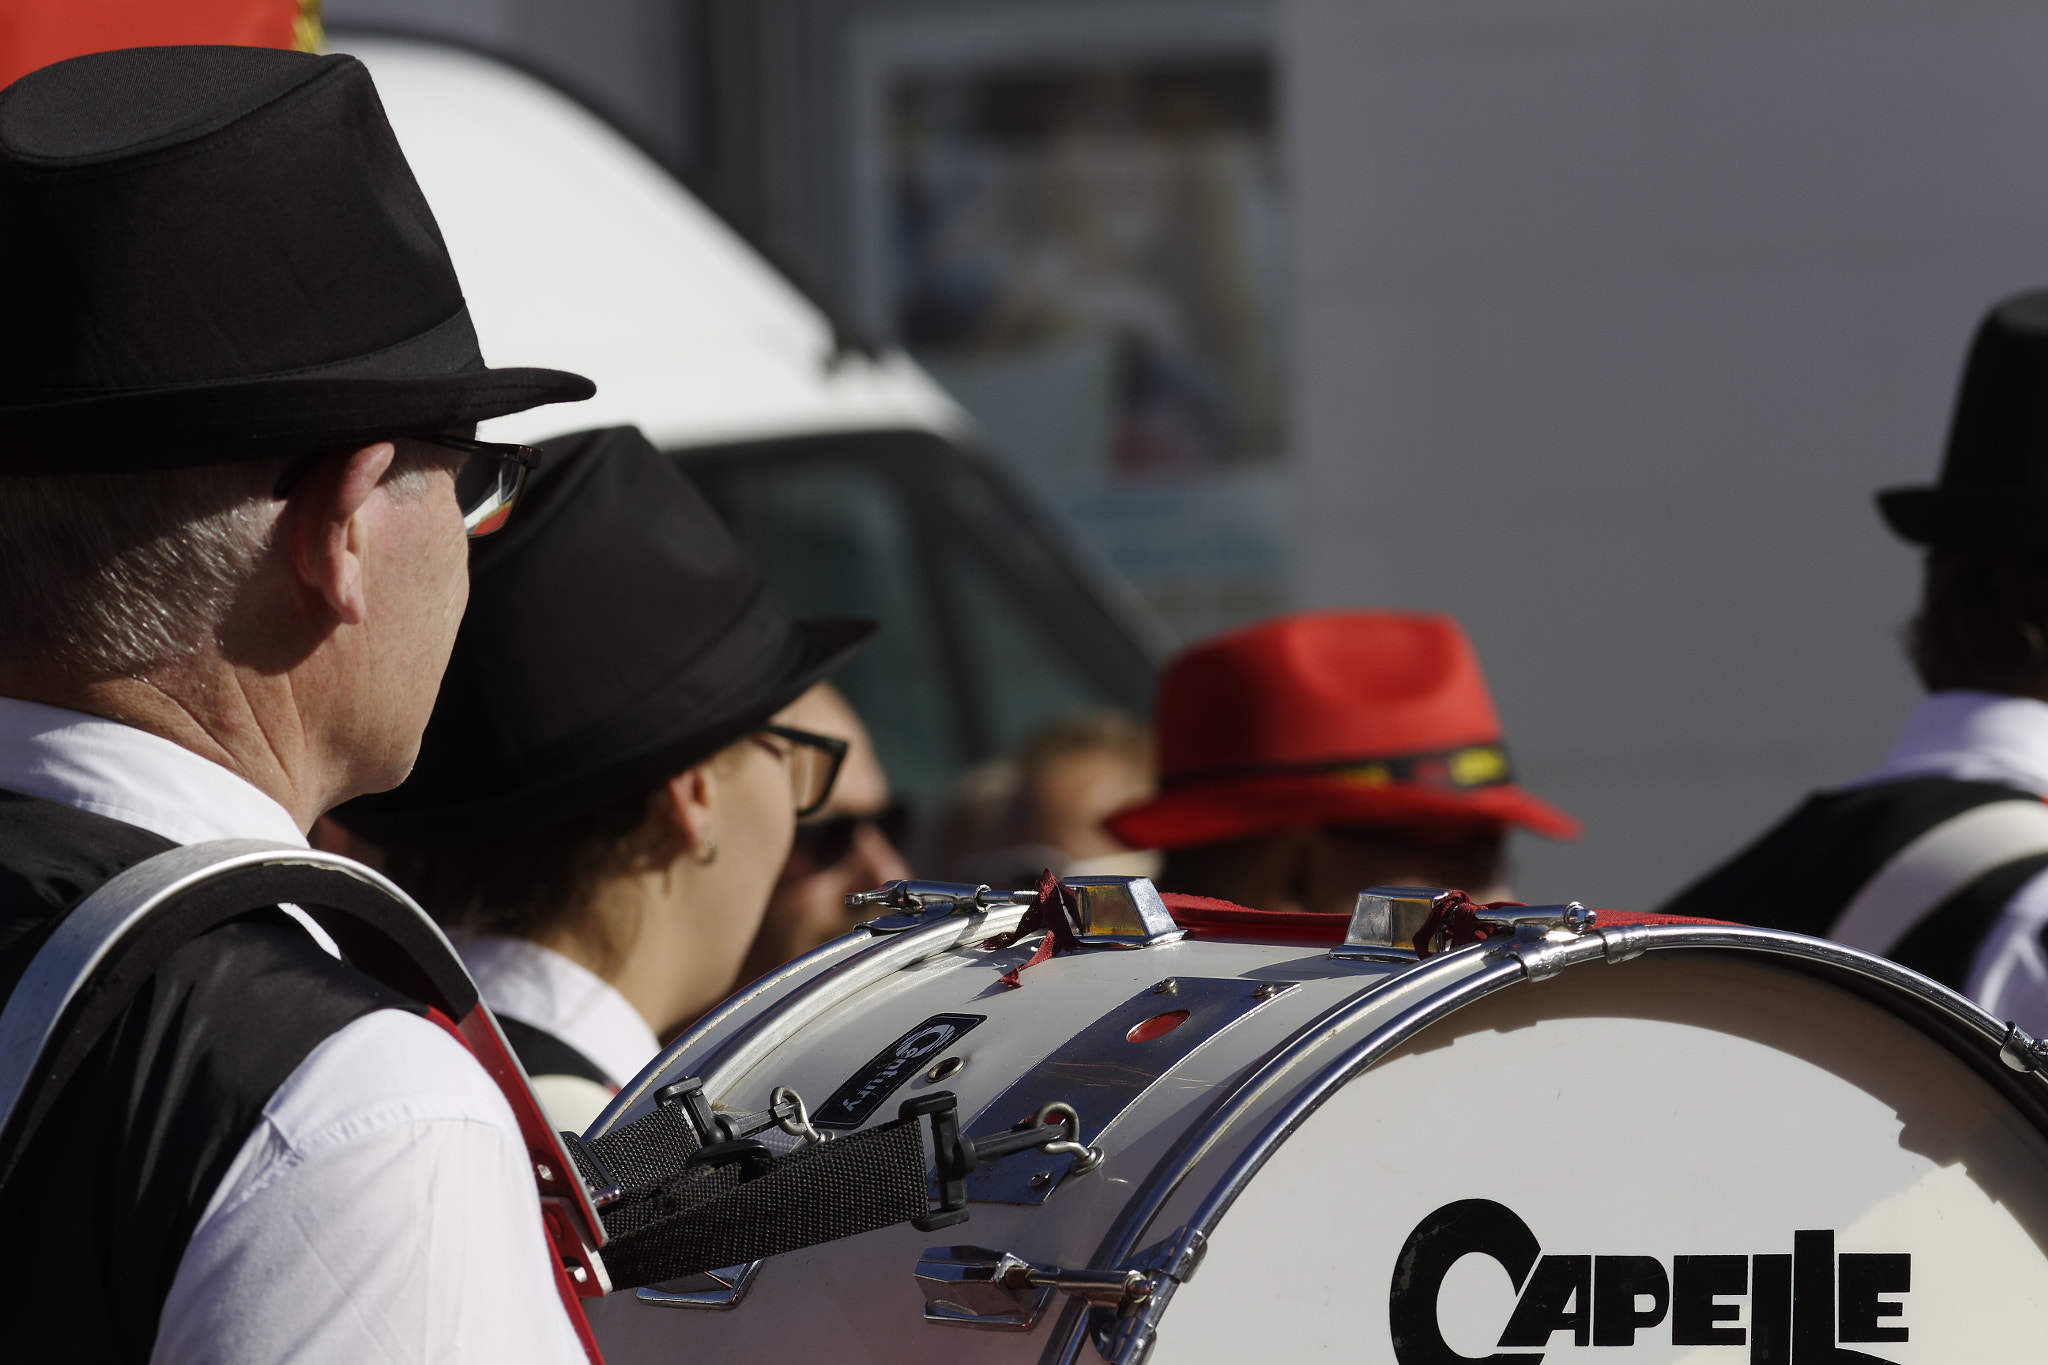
[764, 1014]
[2012, 1063]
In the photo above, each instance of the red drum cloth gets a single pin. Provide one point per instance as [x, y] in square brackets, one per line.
[1203, 915]
[35, 33]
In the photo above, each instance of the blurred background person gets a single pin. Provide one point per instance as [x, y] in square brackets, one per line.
[1309, 757]
[1006, 821]
[606, 792]
[850, 845]
[1939, 859]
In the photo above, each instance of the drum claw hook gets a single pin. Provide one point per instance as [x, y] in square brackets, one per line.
[1085, 1158]
[786, 1107]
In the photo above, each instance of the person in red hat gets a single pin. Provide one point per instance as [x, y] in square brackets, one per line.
[1306, 758]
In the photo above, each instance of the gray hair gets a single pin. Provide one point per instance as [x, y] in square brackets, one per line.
[113, 575]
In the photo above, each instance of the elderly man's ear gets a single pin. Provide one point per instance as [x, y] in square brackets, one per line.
[326, 532]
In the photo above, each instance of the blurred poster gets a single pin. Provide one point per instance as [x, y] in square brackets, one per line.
[1087, 253]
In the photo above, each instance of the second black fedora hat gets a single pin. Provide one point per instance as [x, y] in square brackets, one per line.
[219, 253]
[1993, 491]
[615, 635]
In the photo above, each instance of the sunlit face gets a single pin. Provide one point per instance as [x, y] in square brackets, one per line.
[808, 907]
[753, 818]
[416, 581]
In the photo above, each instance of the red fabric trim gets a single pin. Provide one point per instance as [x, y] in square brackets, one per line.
[480, 1040]
[1201, 914]
[1055, 912]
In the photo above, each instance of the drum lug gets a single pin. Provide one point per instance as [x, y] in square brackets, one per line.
[917, 904]
[1125, 1333]
[977, 1287]
[1115, 912]
[1121, 912]
[1625, 942]
[1544, 952]
[2021, 1051]
[1386, 920]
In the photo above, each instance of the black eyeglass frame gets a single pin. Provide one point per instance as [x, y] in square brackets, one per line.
[831, 746]
[825, 843]
[524, 459]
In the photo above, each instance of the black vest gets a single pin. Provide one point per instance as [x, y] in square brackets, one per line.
[1803, 872]
[98, 1214]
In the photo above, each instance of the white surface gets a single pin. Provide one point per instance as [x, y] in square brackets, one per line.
[538, 986]
[129, 775]
[382, 1211]
[1974, 736]
[577, 252]
[375, 1215]
[1669, 1107]
[1987, 737]
[1578, 1098]
[1609, 318]
[1934, 866]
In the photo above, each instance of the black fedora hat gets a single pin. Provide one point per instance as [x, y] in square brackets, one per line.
[218, 253]
[1994, 477]
[615, 636]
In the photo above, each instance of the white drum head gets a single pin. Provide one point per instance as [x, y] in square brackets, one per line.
[1863, 1194]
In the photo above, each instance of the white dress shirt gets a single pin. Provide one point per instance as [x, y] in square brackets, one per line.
[382, 1210]
[538, 986]
[1989, 737]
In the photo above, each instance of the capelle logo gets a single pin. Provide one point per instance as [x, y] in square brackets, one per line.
[1800, 1306]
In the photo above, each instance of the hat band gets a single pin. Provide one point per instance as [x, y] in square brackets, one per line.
[1465, 768]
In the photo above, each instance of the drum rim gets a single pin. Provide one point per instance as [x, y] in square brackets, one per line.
[1965, 1030]
[787, 998]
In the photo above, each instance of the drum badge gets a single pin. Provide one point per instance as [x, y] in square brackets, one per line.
[864, 1092]
[1606, 1300]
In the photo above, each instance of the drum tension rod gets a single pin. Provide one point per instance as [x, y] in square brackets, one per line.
[980, 1283]
[956, 1156]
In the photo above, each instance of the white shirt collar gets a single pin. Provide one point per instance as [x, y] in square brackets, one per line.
[133, 776]
[1974, 736]
[539, 986]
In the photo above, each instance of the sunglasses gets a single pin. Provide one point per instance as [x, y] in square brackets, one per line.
[487, 483]
[814, 763]
[825, 843]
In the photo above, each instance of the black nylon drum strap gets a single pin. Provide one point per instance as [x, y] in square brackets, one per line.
[685, 1207]
[676, 1205]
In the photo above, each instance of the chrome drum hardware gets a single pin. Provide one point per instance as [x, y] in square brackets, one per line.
[1295, 1119]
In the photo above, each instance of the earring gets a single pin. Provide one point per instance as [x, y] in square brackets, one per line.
[708, 854]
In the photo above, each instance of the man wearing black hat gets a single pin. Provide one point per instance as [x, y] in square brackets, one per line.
[1937, 859]
[237, 382]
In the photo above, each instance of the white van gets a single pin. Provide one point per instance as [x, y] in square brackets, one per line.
[849, 476]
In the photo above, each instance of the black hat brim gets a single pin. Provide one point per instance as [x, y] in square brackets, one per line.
[1963, 517]
[396, 820]
[257, 418]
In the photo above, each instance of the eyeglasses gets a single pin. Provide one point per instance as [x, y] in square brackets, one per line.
[814, 765]
[487, 484]
[825, 843]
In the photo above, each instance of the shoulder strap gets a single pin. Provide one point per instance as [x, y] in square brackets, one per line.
[1935, 866]
[100, 955]
[1945, 944]
[543, 1054]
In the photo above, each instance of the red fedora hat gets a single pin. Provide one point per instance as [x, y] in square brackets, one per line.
[1329, 718]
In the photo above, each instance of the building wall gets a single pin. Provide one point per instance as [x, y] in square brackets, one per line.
[1609, 317]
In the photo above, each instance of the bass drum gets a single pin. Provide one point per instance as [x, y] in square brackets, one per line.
[1638, 1141]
